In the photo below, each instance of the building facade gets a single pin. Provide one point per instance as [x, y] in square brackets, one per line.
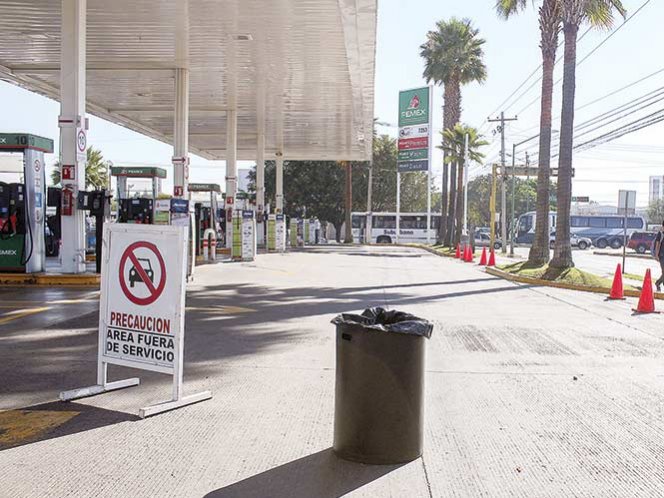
[655, 189]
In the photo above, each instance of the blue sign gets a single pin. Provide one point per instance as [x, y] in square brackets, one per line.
[406, 166]
[38, 199]
[179, 206]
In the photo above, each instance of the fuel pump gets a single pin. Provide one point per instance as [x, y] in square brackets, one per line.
[206, 214]
[98, 202]
[22, 218]
[137, 209]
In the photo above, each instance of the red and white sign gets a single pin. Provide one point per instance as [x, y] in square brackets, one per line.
[81, 144]
[178, 191]
[413, 143]
[68, 172]
[230, 200]
[148, 270]
[142, 301]
[141, 310]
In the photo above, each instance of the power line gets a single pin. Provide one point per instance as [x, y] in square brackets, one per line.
[589, 54]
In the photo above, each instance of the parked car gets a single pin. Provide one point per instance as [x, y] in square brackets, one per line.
[484, 240]
[641, 241]
[582, 243]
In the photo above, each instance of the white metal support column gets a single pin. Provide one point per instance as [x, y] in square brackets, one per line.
[279, 187]
[231, 169]
[72, 129]
[181, 135]
[260, 180]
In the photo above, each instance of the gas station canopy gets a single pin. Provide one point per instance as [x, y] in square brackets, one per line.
[303, 67]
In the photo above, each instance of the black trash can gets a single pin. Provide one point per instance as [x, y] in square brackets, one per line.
[379, 392]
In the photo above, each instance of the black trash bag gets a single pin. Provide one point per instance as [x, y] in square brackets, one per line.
[382, 320]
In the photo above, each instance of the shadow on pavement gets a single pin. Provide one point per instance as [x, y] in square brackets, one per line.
[321, 475]
[53, 420]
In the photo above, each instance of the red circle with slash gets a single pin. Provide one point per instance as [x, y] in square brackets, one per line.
[155, 291]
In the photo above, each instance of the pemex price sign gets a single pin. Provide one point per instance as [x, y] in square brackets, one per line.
[414, 129]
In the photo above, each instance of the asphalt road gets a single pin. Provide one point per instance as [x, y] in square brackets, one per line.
[529, 391]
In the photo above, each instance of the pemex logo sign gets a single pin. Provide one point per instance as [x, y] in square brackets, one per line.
[414, 107]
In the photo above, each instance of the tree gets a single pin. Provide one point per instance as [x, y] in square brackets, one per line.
[550, 21]
[318, 186]
[479, 193]
[452, 57]
[656, 211]
[454, 145]
[598, 13]
[96, 170]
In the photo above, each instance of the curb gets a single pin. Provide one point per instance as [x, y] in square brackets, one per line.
[50, 279]
[562, 285]
[627, 255]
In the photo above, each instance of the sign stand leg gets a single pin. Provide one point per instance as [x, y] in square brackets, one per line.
[178, 399]
[102, 386]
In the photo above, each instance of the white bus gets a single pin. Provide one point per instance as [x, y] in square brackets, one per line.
[603, 230]
[412, 227]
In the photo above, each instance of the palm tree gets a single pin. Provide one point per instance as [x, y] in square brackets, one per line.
[452, 57]
[96, 170]
[598, 13]
[454, 142]
[550, 22]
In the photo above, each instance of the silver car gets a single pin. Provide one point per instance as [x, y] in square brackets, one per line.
[484, 240]
[582, 243]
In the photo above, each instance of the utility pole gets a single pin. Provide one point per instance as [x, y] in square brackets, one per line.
[528, 180]
[369, 220]
[503, 200]
[348, 239]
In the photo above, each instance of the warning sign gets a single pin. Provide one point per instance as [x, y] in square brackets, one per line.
[143, 296]
[141, 313]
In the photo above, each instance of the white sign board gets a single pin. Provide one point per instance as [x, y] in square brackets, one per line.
[141, 312]
[626, 202]
[280, 229]
[142, 297]
[248, 236]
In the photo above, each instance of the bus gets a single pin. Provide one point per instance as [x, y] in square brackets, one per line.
[602, 230]
[412, 227]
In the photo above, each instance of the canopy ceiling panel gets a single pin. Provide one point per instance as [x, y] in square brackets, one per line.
[308, 63]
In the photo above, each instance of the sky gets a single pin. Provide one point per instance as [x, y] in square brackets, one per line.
[511, 55]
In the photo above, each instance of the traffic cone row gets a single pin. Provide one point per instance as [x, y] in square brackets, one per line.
[646, 298]
[467, 255]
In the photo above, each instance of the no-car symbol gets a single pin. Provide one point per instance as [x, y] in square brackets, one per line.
[142, 273]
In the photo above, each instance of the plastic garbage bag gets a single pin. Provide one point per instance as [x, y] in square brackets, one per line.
[382, 320]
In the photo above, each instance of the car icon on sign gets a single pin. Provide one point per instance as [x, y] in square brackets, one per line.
[134, 276]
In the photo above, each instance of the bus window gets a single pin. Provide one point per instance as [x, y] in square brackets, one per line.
[435, 222]
[525, 224]
[597, 222]
[413, 222]
[614, 222]
[579, 221]
[359, 221]
[385, 221]
[635, 223]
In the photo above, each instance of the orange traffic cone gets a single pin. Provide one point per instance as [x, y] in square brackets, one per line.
[465, 254]
[471, 254]
[617, 287]
[483, 258]
[492, 258]
[457, 255]
[646, 299]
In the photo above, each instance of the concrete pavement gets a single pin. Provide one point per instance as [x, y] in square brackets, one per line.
[530, 391]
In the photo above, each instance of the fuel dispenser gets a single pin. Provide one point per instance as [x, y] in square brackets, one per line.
[22, 210]
[205, 216]
[137, 209]
[98, 202]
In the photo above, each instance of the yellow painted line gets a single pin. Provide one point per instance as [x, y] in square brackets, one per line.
[21, 426]
[15, 315]
[82, 280]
